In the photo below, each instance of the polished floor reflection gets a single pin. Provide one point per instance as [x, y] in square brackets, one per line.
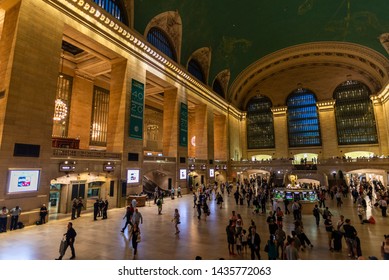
[103, 240]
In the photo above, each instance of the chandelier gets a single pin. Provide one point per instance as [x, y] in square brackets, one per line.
[60, 110]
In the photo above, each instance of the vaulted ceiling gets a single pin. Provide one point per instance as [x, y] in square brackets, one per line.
[241, 33]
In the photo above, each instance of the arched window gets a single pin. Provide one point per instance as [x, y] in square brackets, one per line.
[195, 69]
[303, 122]
[260, 128]
[115, 7]
[217, 87]
[158, 39]
[354, 113]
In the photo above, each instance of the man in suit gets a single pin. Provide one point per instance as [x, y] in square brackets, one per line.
[254, 242]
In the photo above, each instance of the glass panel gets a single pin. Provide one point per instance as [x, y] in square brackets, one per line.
[112, 7]
[217, 87]
[260, 129]
[99, 125]
[354, 113]
[195, 69]
[303, 122]
[159, 40]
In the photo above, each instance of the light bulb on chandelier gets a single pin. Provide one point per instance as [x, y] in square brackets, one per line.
[60, 110]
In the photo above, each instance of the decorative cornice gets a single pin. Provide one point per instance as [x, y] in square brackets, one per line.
[279, 111]
[326, 105]
[136, 44]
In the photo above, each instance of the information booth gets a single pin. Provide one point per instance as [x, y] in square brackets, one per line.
[307, 197]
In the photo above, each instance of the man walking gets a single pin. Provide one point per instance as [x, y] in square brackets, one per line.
[316, 214]
[70, 237]
[137, 217]
[254, 242]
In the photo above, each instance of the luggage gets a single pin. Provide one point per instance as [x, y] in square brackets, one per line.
[371, 220]
[62, 247]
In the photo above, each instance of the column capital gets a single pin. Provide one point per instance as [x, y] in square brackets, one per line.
[326, 105]
[377, 101]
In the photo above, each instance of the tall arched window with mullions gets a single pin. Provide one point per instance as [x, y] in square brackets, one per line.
[260, 127]
[161, 41]
[354, 113]
[115, 7]
[217, 87]
[196, 70]
[303, 121]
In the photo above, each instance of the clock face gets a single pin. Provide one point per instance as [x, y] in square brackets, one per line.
[193, 141]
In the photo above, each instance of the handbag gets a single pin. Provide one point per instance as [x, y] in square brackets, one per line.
[138, 238]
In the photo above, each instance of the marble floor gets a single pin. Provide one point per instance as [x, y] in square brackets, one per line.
[103, 240]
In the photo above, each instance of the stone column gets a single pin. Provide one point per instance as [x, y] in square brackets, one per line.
[81, 109]
[329, 136]
[281, 132]
[171, 112]
[117, 108]
[201, 131]
[220, 137]
[381, 124]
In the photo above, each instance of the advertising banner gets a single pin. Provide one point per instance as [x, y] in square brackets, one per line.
[136, 110]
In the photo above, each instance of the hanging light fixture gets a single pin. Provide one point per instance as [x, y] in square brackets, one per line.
[62, 59]
[60, 110]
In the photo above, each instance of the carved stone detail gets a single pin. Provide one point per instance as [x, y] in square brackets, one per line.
[224, 78]
[384, 39]
[170, 22]
[203, 58]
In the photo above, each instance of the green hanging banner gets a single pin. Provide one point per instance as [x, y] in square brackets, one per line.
[184, 125]
[136, 110]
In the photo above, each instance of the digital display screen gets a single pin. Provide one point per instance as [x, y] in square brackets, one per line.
[211, 172]
[23, 180]
[182, 174]
[132, 176]
[289, 196]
